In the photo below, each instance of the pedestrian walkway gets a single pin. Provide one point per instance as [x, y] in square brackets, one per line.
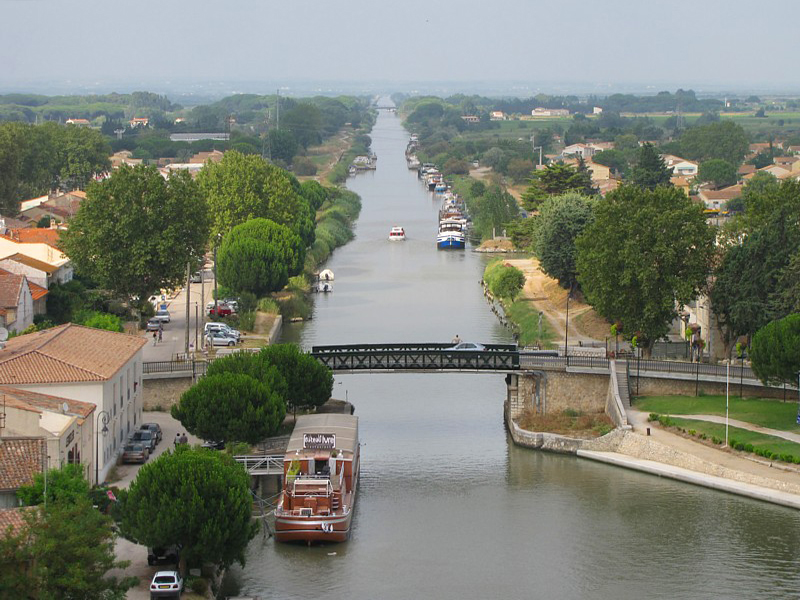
[786, 435]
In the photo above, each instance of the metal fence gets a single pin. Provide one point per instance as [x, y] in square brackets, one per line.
[196, 367]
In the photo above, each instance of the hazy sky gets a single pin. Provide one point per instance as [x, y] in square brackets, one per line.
[695, 43]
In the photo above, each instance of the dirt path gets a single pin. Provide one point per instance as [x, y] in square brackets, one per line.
[550, 298]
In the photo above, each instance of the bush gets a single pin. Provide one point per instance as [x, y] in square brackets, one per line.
[732, 443]
[295, 306]
[652, 417]
[692, 432]
[247, 320]
[269, 306]
[304, 166]
[739, 446]
[571, 412]
[199, 586]
[715, 440]
[748, 447]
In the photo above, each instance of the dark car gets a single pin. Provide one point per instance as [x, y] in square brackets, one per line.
[168, 554]
[155, 429]
[135, 452]
[146, 437]
[214, 445]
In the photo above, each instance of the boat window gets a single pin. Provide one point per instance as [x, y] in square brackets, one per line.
[321, 467]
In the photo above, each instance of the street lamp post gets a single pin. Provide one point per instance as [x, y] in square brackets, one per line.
[566, 330]
[104, 417]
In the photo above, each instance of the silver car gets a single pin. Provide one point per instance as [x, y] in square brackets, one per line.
[221, 338]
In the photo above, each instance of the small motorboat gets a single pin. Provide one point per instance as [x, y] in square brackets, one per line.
[397, 234]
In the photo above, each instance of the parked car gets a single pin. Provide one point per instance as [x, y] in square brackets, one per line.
[224, 328]
[214, 445]
[135, 452]
[220, 338]
[146, 437]
[155, 428]
[162, 315]
[154, 324]
[166, 584]
[232, 302]
[223, 310]
[468, 346]
[168, 554]
[196, 277]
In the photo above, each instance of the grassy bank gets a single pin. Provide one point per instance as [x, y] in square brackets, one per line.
[760, 444]
[568, 422]
[764, 412]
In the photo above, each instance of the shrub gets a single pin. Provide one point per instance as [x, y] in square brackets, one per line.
[199, 586]
[739, 446]
[304, 166]
[652, 417]
[758, 451]
[732, 443]
[269, 306]
[748, 447]
[571, 412]
[247, 320]
[796, 460]
[715, 440]
[692, 432]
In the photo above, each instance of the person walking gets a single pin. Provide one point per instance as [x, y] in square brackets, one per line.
[155, 337]
[177, 439]
[456, 340]
[160, 332]
[184, 439]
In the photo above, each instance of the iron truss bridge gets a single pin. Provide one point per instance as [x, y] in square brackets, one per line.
[417, 357]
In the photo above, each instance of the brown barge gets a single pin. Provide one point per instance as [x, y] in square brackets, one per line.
[320, 474]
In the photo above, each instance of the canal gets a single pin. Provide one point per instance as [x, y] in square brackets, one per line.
[448, 507]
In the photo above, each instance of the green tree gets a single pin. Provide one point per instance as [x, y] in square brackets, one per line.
[646, 254]
[135, 232]
[649, 171]
[561, 220]
[309, 383]
[231, 406]
[557, 179]
[509, 283]
[775, 351]
[522, 232]
[259, 256]
[746, 293]
[99, 320]
[520, 169]
[314, 193]
[282, 145]
[68, 548]
[197, 498]
[725, 139]
[305, 123]
[718, 172]
[493, 211]
[63, 485]
[242, 187]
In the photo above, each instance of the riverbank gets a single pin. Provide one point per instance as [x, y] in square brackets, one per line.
[656, 451]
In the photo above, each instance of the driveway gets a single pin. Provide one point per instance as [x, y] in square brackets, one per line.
[135, 553]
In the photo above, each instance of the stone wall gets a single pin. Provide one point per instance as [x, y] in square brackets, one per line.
[654, 386]
[163, 393]
[554, 391]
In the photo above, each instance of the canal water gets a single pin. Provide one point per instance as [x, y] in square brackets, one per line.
[448, 507]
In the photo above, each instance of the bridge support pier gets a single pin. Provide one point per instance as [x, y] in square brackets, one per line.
[525, 391]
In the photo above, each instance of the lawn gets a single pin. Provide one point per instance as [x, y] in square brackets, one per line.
[759, 440]
[526, 316]
[770, 413]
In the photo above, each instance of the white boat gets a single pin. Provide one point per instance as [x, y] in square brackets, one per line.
[451, 235]
[397, 234]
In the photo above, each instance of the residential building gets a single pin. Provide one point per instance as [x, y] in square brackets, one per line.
[139, 122]
[202, 158]
[786, 161]
[21, 458]
[16, 302]
[12, 520]
[196, 137]
[78, 122]
[681, 183]
[549, 112]
[67, 426]
[124, 157]
[497, 115]
[38, 273]
[582, 150]
[596, 110]
[38, 293]
[59, 265]
[777, 170]
[471, 118]
[717, 200]
[599, 172]
[746, 170]
[680, 166]
[794, 149]
[59, 207]
[99, 367]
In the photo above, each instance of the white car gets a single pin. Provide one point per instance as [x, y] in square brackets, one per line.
[220, 338]
[224, 328]
[468, 346]
[166, 584]
[162, 315]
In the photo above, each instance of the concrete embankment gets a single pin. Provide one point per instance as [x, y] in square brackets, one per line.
[625, 448]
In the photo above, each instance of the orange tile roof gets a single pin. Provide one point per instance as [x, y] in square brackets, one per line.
[37, 291]
[21, 458]
[28, 400]
[13, 518]
[30, 235]
[67, 353]
[10, 286]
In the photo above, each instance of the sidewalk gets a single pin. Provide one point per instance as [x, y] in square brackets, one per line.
[786, 435]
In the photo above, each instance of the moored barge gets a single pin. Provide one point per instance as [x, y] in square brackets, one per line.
[321, 468]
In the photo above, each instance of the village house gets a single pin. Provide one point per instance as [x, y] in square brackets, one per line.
[103, 368]
[793, 149]
[202, 158]
[78, 122]
[16, 302]
[717, 200]
[59, 207]
[682, 183]
[599, 172]
[124, 157]
[21, 458]
[745, 170]
[59, 267]
[680, 166]
[470, 119]
[582, 150]
[549, 112]
[497, 115]
[66, 425]
[139, 122]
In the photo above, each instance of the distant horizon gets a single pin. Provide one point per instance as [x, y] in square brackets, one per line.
[215, 90]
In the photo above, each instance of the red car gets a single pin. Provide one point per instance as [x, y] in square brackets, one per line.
[222, 310]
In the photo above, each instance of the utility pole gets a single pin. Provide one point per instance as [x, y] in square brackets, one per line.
[202, 298]
[278, 108]
[188, 297]
[534, 147]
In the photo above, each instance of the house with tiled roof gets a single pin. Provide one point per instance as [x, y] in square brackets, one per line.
[139, 122]
[38, 273]
[16, 302]
[717, 200]
[78, 122]
[20, 459]
[41, 251]
[12, 520]
[70, 361]
[67, 425]
[202, 158]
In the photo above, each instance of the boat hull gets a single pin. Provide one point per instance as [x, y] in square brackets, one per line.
[450, 244]
[313, 529]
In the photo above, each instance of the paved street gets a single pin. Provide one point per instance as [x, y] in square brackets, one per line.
[174, 335]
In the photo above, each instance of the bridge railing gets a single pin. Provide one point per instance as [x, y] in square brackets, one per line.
[272, 462]
[174, 366]
[416, 357]
[691, 368]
